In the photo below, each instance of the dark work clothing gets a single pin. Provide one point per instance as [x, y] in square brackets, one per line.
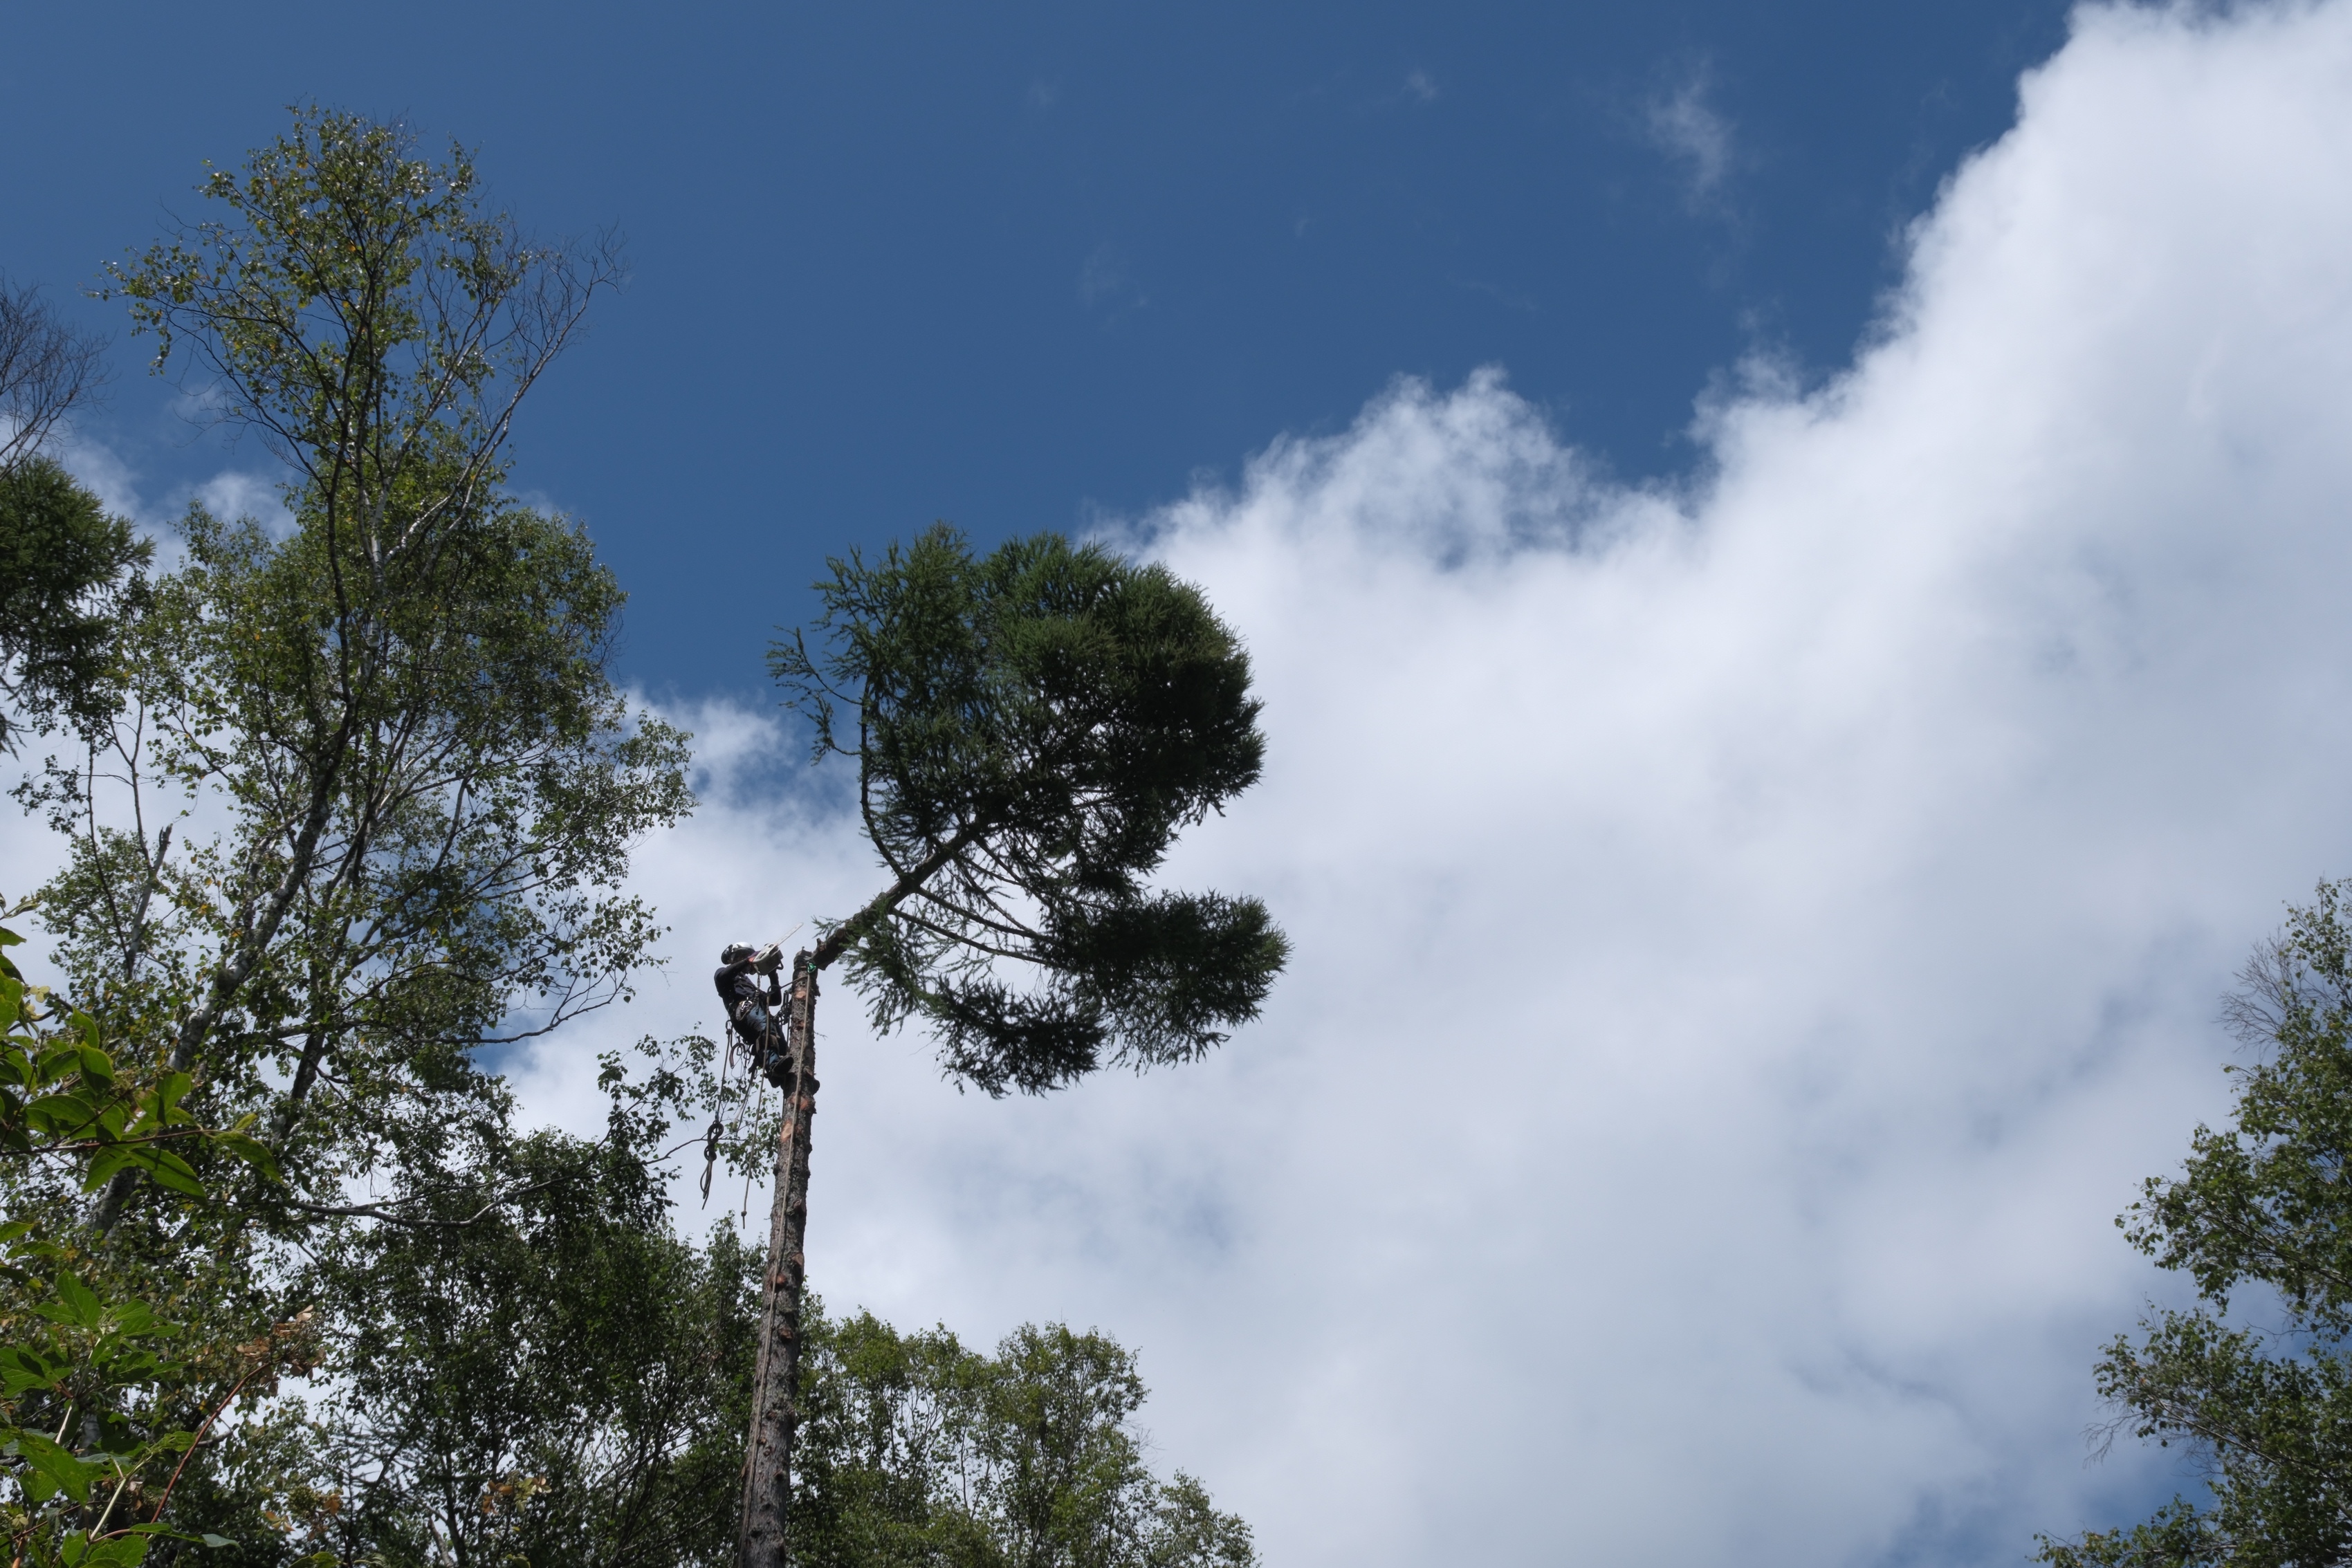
[738, 983]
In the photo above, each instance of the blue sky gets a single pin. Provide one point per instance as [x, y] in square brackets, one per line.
[1794, 557]
[1019, 266]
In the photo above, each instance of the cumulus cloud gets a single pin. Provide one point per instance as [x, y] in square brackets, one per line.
[230, 494]
[1751, 937]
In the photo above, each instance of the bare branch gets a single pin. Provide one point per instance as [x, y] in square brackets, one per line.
[46, 371]
[382, 1211]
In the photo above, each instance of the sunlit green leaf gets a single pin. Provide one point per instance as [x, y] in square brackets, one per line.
[166, 1168]
[58, 1464]
[78, 1299]
[252, 1151]
[105, 1164]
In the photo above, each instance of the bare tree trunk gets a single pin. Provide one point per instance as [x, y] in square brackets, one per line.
[767, 1468]
[762, 1540]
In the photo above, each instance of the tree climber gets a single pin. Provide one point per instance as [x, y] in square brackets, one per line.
[756, 1011]
[757, 1015]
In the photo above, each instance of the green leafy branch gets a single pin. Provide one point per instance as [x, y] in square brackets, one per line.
[86, 1380]
[61, 1095]
[66, 1503]
[72, 1508]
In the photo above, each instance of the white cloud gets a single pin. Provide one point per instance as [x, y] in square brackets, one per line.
[100, 468]
[231, 495]
[1750, 940]
[1694, 133]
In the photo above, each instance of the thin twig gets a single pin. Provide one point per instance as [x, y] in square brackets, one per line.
[379, 1210]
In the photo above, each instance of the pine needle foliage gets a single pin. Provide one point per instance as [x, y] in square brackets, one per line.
[1032, 728]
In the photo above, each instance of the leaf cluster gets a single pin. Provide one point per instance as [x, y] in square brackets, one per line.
[526, 1365]
[396, 725]
[442, 843]
[357, 305]
[62, 1095]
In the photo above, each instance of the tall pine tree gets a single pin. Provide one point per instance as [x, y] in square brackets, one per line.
[1032, 728]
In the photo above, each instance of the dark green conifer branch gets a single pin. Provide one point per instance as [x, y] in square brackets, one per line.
[1032, 729]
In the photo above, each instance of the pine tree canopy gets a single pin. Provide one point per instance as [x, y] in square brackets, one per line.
[1032, 729]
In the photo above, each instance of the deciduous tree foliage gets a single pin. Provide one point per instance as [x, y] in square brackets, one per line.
[917, 1450]
[2261, 1219]
[531, 1368]
[101, 1399]
[362, 815]
[400, 715]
